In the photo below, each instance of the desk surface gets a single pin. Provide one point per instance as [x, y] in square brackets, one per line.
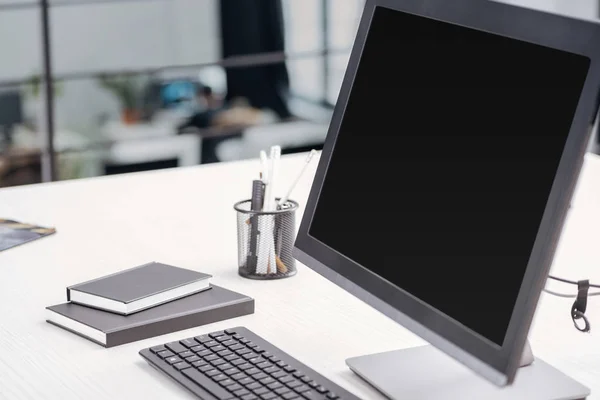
[185, 217]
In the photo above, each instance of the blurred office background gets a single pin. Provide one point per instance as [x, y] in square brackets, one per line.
[147, 84]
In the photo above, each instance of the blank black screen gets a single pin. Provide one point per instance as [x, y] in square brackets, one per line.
[444, 161]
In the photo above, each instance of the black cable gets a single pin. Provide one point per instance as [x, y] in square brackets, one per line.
[570, 282]
[580, 304]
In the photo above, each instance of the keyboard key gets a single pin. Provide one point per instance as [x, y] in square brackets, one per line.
[254, 385]
[212, 343]
[262, 390]
[157, 349]
[246, 381]
[268, 396]
[252, 371]
[249, 397]
[243, 351]
[173, 360]
[229, 342]
[175, 347]
[306, 379]
[238, 361]
[263, 365]
[244, 340]
[290, 396]
[216, 334]
[289, 368]
[222, 339]
[241, 392]
[225, 366]
[260, 376]
[281, 363]
[224, 353]
[217, 349]
[282, 390]
[299, 374]
[165, 354]
[186, 354]
[285, 379]
[231, 357]
[206, 368]
[189, 343]
[236, 346]
[258, 349]
[312, 395]
[274, 385]
[230, 331]
[197, 349]
[182, 365]
[279, 374]
[199, 363]
[193, 359]
[226, 382]
[239, 376]
[321, 389]
[293, 383]
[265, 381]
[218, 362]
[211, 357]
[257, 360]
[274, 359]
[235, 387]
[332, 396]
[203, 339]
[207, 384]
[267, 355]
[251, 345]
[245, 366]
[212, 372]
[250, 355]
[205, 353]
[271, 370]
[232, 371]
[301, 388]
[219, 377]
[313, 384]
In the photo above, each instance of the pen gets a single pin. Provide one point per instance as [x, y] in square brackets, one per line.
[273, 162]
[256, 205]
[264, 166]
[264, 221]
[289, 192]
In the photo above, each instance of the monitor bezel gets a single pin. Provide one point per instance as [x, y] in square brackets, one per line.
[496, 363]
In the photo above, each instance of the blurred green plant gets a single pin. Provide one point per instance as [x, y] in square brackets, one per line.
[34, 85]
[125, 87]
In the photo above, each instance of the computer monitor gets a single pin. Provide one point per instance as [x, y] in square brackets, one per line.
[447, 172]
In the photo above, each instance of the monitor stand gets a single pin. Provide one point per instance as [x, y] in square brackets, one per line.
[427, 373]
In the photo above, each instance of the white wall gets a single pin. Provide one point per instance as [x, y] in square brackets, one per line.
[587, 9]
[105, 37]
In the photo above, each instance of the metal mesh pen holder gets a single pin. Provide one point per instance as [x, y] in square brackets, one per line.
[265, 241]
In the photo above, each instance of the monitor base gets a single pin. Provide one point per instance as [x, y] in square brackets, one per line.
[427, 373]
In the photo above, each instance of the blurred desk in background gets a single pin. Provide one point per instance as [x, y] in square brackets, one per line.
[293, 136]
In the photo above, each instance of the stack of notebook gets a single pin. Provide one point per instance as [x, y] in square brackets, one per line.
[145, 301]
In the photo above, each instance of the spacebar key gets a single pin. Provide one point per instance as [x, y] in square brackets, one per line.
[207, 384]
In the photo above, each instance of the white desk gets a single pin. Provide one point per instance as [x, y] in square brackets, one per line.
[185, 217]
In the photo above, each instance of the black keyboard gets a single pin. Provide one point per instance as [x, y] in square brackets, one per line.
[238, 364]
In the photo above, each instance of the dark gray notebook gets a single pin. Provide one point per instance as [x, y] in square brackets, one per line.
[109, 329]
[138, 288]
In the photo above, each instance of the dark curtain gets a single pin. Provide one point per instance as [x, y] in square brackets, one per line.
[251, 27]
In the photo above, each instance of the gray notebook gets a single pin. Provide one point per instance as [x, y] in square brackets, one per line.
[138, 288]
[109, 329]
